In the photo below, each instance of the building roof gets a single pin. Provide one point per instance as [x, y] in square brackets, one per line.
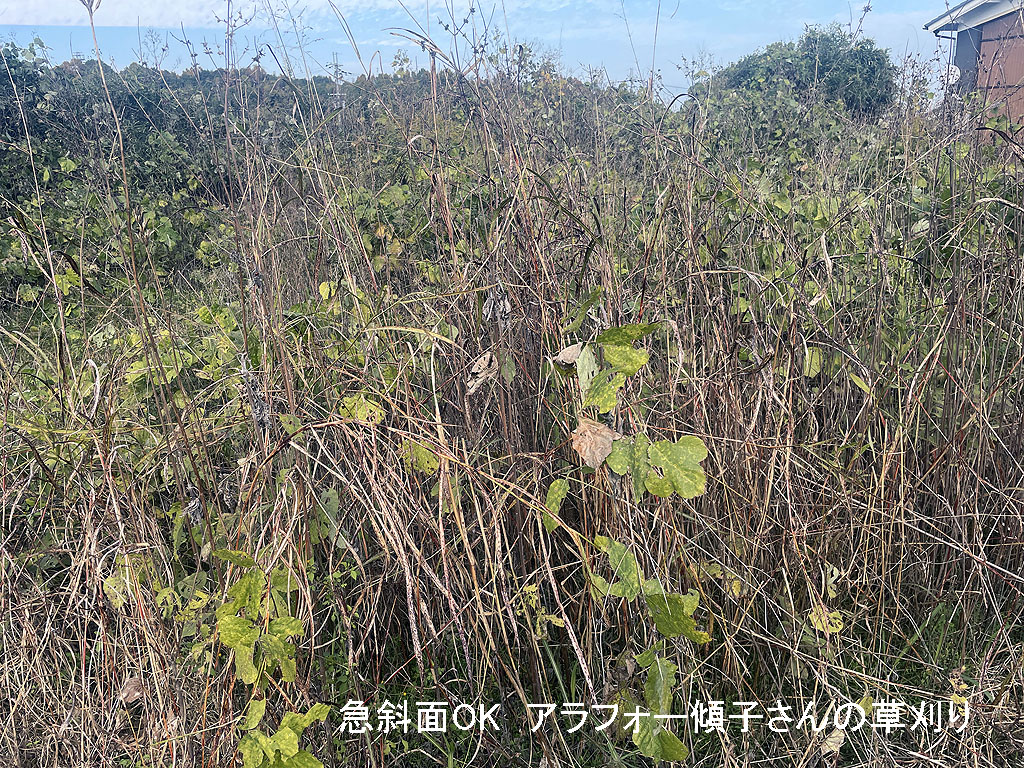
[972, 13]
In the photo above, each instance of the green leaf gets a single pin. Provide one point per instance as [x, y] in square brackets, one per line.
[235, 557]
[286, 741]
[331, 504]
[508, 369]
[645, 737]
[586, 368]
[254, 714]
[661, 676]
[625, 358]
[599, 585]
[812, 362]
[286, 626]
[580, 313]
[658, 486]
[624, 565]
[236, 632]
[672, 748]
[603, 389]
[826, 621]
[861, 384]
[290, 423]
[245, 668]
[418, 456]
[303, 759]
[627, 334]
[300, 723]
[630, 456]
[361, 408]
[556, 494]
[673, 615]
[328, 290]
[252, 753]
[680, 461]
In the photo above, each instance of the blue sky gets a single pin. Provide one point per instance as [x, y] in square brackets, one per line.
[586, 33]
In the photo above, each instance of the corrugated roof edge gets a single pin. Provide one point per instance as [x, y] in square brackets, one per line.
[971, 13]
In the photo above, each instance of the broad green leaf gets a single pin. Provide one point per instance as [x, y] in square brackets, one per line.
[361, 408]
[673, 615]
[245, 668]
[328, 290]
[286, 626]
[625, 358]
[331, 503]
[299, 723]
[630, 456]
[653, 587]
[586, 368]
[508, 369]
[624, 565]
[236, 631]
[680, 461]
[672, 749]
[812, 362]
[235, 557]
[252, 753]
[645, 737]
[556, 494]
[627, 334]
[418, 456]
[620, 460]
[603, 389]
[658, 486]
[661, 676]
[599, 585]
[782, 201]
[254, 714]
[302, 759]
[286, 741]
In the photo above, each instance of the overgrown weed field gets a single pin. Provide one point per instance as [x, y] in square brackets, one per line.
[487, 385]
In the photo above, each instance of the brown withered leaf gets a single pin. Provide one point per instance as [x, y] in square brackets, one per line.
[569, 355]
[593, 442]
[485, 367]
[132, 690]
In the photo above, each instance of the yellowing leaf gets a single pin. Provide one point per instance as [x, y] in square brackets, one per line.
[833, 742]
[602, 391]
[680, 461]
[626, 334]
[823, 620]
[556, 494]
[625, 358]
[254, 714]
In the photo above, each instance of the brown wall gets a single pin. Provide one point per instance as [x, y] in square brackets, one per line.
[1001, 64]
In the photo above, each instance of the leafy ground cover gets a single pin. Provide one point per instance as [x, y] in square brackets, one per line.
[488, 384]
